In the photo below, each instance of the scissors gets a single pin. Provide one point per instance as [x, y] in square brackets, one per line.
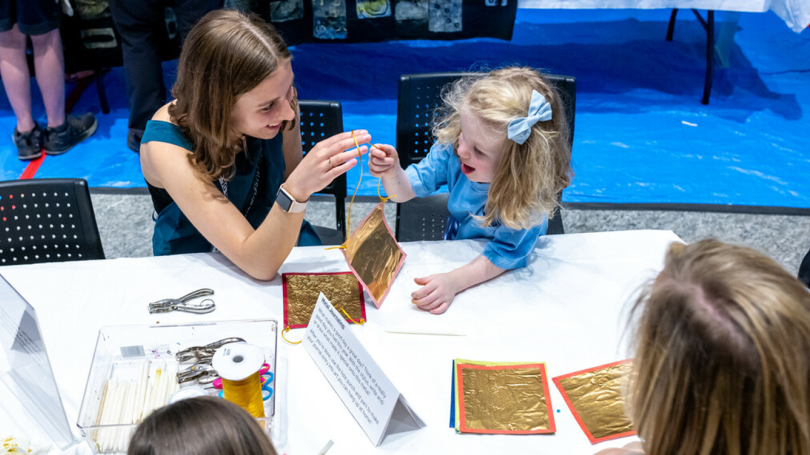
[204, 352]
[166, 305]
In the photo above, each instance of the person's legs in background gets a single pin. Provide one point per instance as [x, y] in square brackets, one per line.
[17, 82]
[139, 24]
[64, 131]
[39, 19]
[49, 67]
[190, 11]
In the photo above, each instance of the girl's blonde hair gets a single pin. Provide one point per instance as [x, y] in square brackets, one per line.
[722, 356]
[528, 176]
[227, 54]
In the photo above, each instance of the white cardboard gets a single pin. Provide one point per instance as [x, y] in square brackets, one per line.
[365, 390]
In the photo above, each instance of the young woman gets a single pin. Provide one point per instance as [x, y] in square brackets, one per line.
[223, 162]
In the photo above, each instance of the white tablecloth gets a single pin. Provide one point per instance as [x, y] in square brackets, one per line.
[566, 309]
[796, 13]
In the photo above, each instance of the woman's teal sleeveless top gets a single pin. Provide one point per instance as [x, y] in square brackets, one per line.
[254, 195]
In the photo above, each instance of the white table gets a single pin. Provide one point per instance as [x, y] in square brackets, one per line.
[566, 309]
[795, 13]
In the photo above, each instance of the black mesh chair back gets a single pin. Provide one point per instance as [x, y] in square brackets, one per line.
[804, 270]
[422, 219]
[320, 120]
[417, 113]
[47, 220]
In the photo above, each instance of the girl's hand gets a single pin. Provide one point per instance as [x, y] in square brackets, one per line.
[437, 294]
[325, 162]
[382, 159]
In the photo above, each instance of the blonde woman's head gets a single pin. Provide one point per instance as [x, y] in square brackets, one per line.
[525, 178]
[722, 355]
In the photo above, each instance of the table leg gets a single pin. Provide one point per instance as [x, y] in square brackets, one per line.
[671, 27]
[707, 87]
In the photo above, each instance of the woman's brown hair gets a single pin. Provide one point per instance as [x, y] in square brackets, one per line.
[722, 356]
[528, 176]
[225, 55]
[200, 426]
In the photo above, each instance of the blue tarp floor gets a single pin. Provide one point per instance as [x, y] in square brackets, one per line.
[641, 136]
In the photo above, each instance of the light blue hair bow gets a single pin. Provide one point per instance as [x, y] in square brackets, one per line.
[539, 110]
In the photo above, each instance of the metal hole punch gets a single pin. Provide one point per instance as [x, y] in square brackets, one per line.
[204, 353]
[166, 305]
[201, 371]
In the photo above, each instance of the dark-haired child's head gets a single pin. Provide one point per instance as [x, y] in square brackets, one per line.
[200, 426]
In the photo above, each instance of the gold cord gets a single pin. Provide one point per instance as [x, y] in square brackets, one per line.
[247, 394]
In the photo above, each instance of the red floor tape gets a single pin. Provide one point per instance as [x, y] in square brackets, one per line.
[33, 167]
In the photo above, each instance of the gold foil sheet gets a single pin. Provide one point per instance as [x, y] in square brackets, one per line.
[504, 400]
[597, 398]
[302, 291]
[374, 254]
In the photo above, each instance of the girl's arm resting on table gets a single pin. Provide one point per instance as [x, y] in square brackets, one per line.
[439, 290]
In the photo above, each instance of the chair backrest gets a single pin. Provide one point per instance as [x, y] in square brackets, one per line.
[422, 219]
[47, 220]
[420, 97]
[320, 120]
[804, 270]
[417, 104]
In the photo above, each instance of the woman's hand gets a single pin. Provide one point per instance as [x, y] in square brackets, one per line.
[325, 162]
[382, 160]
[438, 292]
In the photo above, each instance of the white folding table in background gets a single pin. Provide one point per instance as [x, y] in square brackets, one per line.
[795, 13]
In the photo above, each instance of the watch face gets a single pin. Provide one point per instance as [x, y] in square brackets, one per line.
[283, 200]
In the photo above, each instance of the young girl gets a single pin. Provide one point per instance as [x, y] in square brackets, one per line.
[200, 426]
[721, 363]
[503, 151]
[223, 162]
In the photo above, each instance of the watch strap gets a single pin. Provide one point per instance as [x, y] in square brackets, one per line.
[290, 205]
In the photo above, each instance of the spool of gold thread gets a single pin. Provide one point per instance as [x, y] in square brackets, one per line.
[238, 365]
[246, 393]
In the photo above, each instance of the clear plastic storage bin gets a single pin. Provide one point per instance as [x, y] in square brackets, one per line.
[125, 354]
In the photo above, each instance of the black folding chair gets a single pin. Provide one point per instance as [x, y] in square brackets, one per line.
[47, 220]
[804, 270]
[320, 120]
[422, 218]
[417, 104]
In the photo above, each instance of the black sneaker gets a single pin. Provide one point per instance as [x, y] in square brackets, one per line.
[59, 140]
[29, 144]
